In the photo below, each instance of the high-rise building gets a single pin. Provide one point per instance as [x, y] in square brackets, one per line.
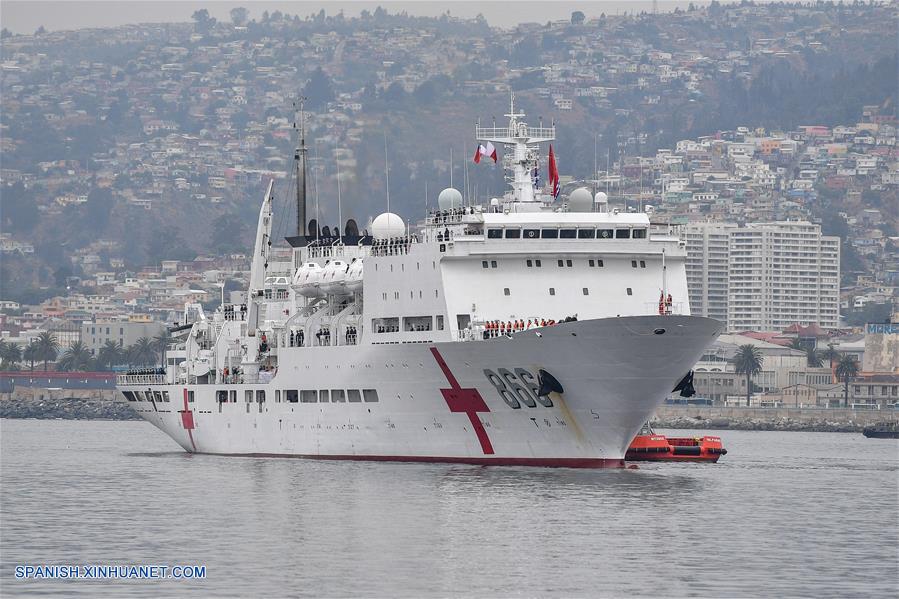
[776, 274]
[707, 266]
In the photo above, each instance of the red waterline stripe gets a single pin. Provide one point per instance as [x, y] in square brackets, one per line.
[535, 462]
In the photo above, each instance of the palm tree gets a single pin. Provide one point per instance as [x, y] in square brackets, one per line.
[142, 353]
[10, 355]
[847, 368]
[748, 361]
[161, 343]
[111, 354]
[31, 354]
[77, 357]
[813, 358]
[830, 354]
[47, 347]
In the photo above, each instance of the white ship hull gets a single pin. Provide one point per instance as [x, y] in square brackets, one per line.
[437, 403]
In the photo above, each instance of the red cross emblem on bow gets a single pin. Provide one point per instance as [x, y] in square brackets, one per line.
[468, 401]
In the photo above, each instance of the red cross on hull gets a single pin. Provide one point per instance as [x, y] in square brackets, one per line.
[187, 421]
[468, 401]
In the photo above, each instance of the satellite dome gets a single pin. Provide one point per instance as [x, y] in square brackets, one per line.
[449, 198]
[601, 198]
[580, 200]
[388, 225]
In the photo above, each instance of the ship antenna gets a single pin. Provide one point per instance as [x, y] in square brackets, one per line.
[386, 171]
[452, 166]
[300, 159]
[339, 210]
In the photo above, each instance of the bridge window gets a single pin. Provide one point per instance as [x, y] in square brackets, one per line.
[324, 396]
[567, 233]
[550, 234]
[221, 396]
[604, 233]
[494, 233]
[513, 233]
[532, 233]
[308, 396]
[370, 395]
[586, 233]
[353, 396]
[129, 395]
[291, 396]
[338, 396]
[622, 233]
[639, 233]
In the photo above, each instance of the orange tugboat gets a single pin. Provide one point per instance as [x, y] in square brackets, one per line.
[648, 446]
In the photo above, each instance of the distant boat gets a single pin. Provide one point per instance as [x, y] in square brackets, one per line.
[884, 430]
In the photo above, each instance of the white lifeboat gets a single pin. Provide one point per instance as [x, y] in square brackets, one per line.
[354, 276]
[333, 281]
[308, 280]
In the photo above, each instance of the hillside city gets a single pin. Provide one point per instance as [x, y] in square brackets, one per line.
[765, 136]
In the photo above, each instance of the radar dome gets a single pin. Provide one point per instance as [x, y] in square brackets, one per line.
[601, 198]
[449, 198]
[580, 200]
[388, 225]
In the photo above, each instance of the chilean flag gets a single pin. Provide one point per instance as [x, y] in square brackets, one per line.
[553, 173]
[483, 150]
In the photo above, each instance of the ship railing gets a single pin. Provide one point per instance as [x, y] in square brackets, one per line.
[140, 379]
[522, 130]
[666, 310]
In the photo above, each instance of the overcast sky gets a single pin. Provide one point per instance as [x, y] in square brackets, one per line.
[24, 16]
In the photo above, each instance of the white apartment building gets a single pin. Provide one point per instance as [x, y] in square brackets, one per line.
[707, 268]
[765, 276]
[782, 273]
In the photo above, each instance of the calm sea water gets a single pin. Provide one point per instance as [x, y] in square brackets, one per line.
[783, 514]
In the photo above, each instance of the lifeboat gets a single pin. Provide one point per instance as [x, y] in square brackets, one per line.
[354, 276]
[649, 446]
[308, 280]
[333, 278]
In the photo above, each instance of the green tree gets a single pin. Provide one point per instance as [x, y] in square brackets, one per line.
[10, 355]
[47, 347]
[577, 17]
[748, 361]
[161, 343]
[77, 357]
[142, 353]
[111, 354]
[847, 368]
[318, 90]
[813, 358]
[30, 354]
[239, 15]
[831, 355]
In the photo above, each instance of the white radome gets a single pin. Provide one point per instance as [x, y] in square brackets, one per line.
[449, 198]
[580, 200]
[388, 225]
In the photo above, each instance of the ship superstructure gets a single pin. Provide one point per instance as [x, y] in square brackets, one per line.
[525, 331]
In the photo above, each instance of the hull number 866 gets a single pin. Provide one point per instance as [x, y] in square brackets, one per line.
[516, 388]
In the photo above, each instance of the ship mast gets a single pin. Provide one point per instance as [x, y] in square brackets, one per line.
[524, 142]
[299, 157]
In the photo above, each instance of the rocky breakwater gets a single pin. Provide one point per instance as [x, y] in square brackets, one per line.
[770, 419]
[64, 405]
